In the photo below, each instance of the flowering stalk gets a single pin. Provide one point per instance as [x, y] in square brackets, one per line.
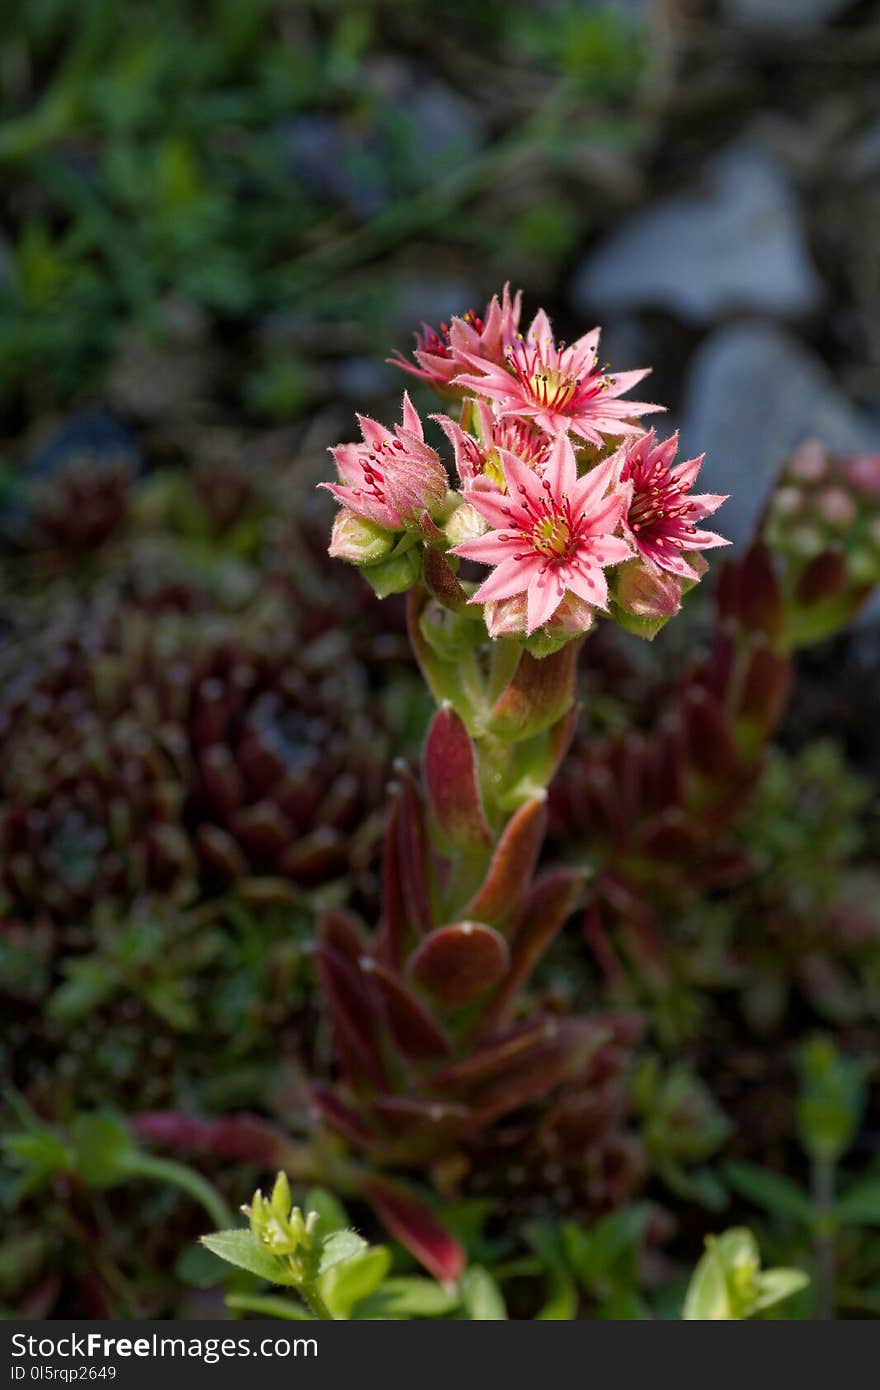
[576, 513]
[553, 488]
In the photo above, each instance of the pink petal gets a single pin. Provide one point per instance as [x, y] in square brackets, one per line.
[520, 477]
[607, 514]
[705, 503]
[375, 435]
[704, 540]
[618, 382]
[362, 504]
[593, 485]
[561, 468]
[668, 559]
[540, 331]
[544, 597]
[511, 577]
[588, 582]
[411, 419]
[686, 472]
[610, 550]
[495, 506]
[491, 549]
[580, 357]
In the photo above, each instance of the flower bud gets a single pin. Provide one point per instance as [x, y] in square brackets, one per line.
[644, 598]
[359, 541]
[465, 524]
[396, 574]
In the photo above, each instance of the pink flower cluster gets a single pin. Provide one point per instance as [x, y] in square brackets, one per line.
[558, 482]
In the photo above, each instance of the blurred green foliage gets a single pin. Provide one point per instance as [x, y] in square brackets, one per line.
[239, 155]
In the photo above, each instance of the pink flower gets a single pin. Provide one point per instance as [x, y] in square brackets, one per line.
[554, 534]
[437, 351]
[661, 516]
[560, 388]
[480, 456]
[389, 480]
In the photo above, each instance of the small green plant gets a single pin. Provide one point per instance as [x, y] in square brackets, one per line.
[331, 1271]
[99, 1151]
[820, 1219]
[729, 1284]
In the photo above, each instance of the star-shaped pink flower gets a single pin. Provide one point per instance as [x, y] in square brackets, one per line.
[439, 353]
[560, 388]
[552, 535]
[662, 514]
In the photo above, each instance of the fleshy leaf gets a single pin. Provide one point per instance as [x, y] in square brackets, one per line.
[512, 866]
[450, 779]
[407, 1218]
[455, 964]
[548, 904]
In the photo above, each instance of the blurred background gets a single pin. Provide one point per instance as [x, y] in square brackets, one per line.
[217, 220]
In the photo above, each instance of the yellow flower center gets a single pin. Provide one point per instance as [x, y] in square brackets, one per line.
[552, 387]
[551, 537]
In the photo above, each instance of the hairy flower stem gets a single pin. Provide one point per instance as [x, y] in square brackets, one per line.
[822, 1184]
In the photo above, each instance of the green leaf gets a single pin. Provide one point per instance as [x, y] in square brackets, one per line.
[408, 1298]
[776, 1284]
[341, 1245]
[562, 1297]
[860, 1204]
[775, 1193]
[240, 1248]
[343, 1286]
[270, 1305]
[610, 1247]
[708, 1297]
[481, 1297]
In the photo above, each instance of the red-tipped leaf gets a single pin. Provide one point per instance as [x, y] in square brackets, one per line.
[512, 866]
[449, 769]
[455, 964]
[407, 1218]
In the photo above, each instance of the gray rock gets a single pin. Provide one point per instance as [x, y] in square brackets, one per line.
[737, 245]
[790, 17]
[753, 394]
